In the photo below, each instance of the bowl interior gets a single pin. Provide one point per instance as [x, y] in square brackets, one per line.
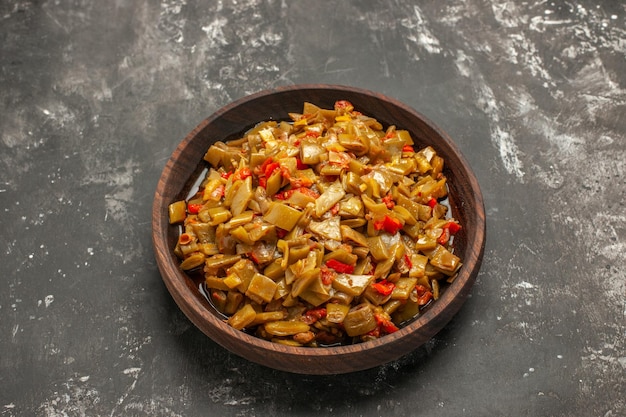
[185, 166]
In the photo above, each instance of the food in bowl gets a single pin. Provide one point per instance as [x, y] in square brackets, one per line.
[328, 229]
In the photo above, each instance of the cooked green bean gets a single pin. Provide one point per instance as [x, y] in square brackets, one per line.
[320, 231]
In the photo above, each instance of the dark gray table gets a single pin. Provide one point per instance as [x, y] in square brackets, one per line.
[95, 95]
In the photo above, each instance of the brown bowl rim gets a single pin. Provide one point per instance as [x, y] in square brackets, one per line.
[196, 310]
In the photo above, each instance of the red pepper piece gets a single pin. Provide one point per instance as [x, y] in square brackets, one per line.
[444, 237]
[389, 135]
[453, 227]
[193, 208]
[242, 174]
[300, 164]
[389, 327]
[408, 149]
[313, 315]
[432, 203]
[226, 175]
[301, 182]
[284, 171]
[270, 168]
[263, 182]
[260, 169]
[253, 258]
[388, 200]
[407, 261]
[309, 192]
[327, 275]
[449, 228]
[424, 295]
[386, 325]
[391, 225]
[384, 287]
[340, 266]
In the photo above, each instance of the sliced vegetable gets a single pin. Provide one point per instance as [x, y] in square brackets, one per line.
[324, 230]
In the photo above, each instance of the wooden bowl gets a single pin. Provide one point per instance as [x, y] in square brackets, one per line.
[184, 167]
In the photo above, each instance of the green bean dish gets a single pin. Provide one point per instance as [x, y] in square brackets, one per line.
[326, 229]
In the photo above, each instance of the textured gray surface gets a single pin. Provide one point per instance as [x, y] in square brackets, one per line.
[95, 96]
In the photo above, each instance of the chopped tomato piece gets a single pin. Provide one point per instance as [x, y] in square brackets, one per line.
[453, 227]
[388, 200]
[384, 287]
[444, 237]
[270, 168]
[389, 224]
[313, 315]
[340, 266]
[424, 295]
[242, 174]
[300, 164]
[327, 275]
[407, 261]
[193, 208]
[384, 324]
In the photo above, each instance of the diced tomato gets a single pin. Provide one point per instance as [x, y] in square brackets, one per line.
[432, 203]
[444, 237]
[300, 164]
[284, 171]
[313, 315]
[388, 200]
[449, 229]
[389, 327]
[327, 275]
[270, 168]
[263, 182]
[424, 295]
[340, 266]
[226, 175]
[384, 287]
[301, 182]
[309, 192]
[408, 149]
[193, 208]
[242, 174]
[385, 324]
[453, 227]
[253, 258]
[391, 225]
[407, 261]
